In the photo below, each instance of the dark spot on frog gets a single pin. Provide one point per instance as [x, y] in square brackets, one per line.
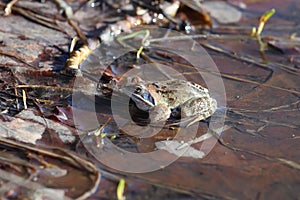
[23, 37]
[163, 91]
[164, 87]
[155, 84]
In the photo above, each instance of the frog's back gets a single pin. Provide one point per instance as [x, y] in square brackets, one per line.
[176, 92]
[183, 87]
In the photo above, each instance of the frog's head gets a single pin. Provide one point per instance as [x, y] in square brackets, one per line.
[142, 97]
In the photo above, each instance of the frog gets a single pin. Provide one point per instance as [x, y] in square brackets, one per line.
[175, 97]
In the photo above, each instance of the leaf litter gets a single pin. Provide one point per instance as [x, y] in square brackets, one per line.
[262, 106]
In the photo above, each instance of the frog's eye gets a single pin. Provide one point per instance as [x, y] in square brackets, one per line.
[138, 90]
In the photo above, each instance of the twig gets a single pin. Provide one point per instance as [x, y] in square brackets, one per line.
[17, 58]
[90, 167]
[289, 163]
[69, 14]
[243, 80]
[46, 87]
[263, 120]
[30, 185]
[47, 22]
[7, 10]
[249, 59]
[219, 50]
[259, 84]
[273, 109]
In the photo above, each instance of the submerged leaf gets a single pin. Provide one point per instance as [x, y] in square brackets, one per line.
[223, 12]
[194, 12]
[172, 147]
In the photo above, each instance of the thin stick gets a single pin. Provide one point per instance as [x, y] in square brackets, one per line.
[16, 58]
[289, 163]
[7, 10]
[245, 80]
[69, 14]
[50, 23]
[217, 49]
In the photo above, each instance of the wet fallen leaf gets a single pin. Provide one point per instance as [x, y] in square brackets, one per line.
[21, 130]
[172, 147]
[29, 172]
[29, 127]
[290, 46]
[194, 12]
[16, 185]
[63, 115]
[64, 133]
[223, 12]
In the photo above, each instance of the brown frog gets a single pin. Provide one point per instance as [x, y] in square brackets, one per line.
[170, 97]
